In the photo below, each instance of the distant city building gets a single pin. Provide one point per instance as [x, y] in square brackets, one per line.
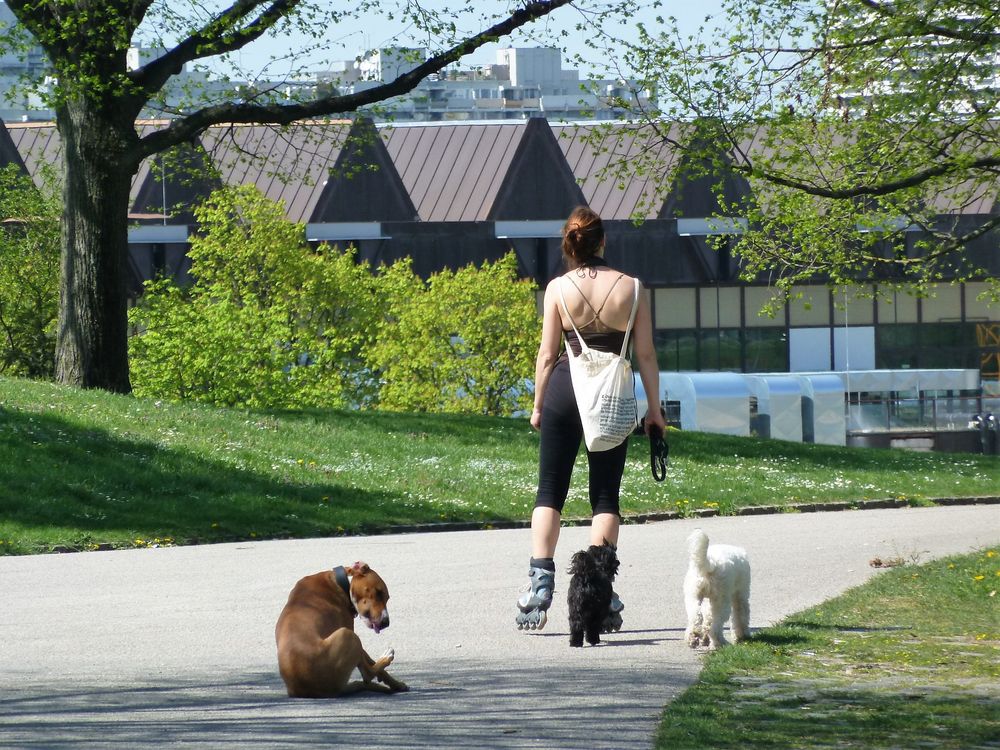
[17, 101]
[523, 82]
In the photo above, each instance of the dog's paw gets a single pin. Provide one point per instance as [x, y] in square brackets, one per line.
[400, 687]
[389, 655]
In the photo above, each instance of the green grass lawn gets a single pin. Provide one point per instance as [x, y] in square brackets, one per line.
[81, 469]
[909, 660]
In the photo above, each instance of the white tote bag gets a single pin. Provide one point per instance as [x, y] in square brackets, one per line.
[604, 387]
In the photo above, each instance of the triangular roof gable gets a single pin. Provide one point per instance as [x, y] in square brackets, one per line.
[363, 184]
[452, 172]
[620, 167]
[190, 179]
[38, 147]
[289, 164]
[8, 151]
[539, 184]
[693, 190]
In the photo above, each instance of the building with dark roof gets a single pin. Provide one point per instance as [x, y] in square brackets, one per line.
[450, 194]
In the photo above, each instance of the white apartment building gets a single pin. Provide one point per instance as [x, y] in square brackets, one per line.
[523, 82]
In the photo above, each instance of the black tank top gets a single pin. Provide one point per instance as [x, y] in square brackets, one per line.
[603, 341]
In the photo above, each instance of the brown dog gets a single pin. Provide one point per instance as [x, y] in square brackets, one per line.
[317, 646]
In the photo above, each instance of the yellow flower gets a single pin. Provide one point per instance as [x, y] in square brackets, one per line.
[978, 578]
[991, 553]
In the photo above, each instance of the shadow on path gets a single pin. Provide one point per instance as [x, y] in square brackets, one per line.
[456, 706]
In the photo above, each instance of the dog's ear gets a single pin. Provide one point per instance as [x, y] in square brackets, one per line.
[578, 563]
[358, 569]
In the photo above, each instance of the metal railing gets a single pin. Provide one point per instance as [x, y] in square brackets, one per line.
[917, 413]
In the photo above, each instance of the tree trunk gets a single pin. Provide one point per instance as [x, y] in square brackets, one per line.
[91, 343]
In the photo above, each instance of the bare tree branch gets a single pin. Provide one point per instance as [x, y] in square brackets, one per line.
[186, 128]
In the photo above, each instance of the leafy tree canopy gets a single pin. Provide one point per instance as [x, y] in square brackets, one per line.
[464, 341]
[866, 131]
[270, 322]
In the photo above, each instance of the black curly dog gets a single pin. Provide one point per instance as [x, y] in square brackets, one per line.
[589, 598]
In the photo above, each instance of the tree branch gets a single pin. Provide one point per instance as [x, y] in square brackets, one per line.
[858, 191]
[186, 128]
[955, 243]
[35, 17]
[217, 37]
[138, 12]
[981, 38]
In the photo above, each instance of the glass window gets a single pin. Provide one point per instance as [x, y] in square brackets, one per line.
[931, 346]
[946, 345]
[720, 306]
[944, 305]
[812, 309]
[859, 309]
[729, 306]
[720, 349]
[897, 307]
[896, 346]
[939, 335]
[676, 350]
[766, 349]
[708, 307]
[755, 297]
[976, 309]
[675, 308]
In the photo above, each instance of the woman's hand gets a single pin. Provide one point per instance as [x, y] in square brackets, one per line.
[536, 419]
[654, 417]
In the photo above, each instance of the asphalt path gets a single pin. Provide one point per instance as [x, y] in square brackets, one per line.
[175, 646]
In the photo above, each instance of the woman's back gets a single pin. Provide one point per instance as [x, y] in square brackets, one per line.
[598, 298]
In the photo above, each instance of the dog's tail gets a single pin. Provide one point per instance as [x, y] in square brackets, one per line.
[698, 550]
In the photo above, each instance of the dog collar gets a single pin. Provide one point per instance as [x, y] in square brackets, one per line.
[340, 575]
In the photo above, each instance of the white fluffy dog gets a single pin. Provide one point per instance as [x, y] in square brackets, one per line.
[717, 584]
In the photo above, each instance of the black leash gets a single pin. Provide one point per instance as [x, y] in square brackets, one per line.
[659, 453]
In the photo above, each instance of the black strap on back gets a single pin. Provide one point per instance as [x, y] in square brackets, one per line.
[340, 575]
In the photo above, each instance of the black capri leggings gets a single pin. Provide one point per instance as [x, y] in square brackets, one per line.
[561, 435]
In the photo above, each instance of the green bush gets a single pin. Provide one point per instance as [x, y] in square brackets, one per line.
[269, 323]
[272, 323]
[463, 341]
[29, 276]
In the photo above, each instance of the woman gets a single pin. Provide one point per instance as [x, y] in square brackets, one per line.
[598, 299]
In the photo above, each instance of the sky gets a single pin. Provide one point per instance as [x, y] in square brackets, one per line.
[353, 37]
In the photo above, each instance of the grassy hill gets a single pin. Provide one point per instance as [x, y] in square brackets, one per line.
[87, 469]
